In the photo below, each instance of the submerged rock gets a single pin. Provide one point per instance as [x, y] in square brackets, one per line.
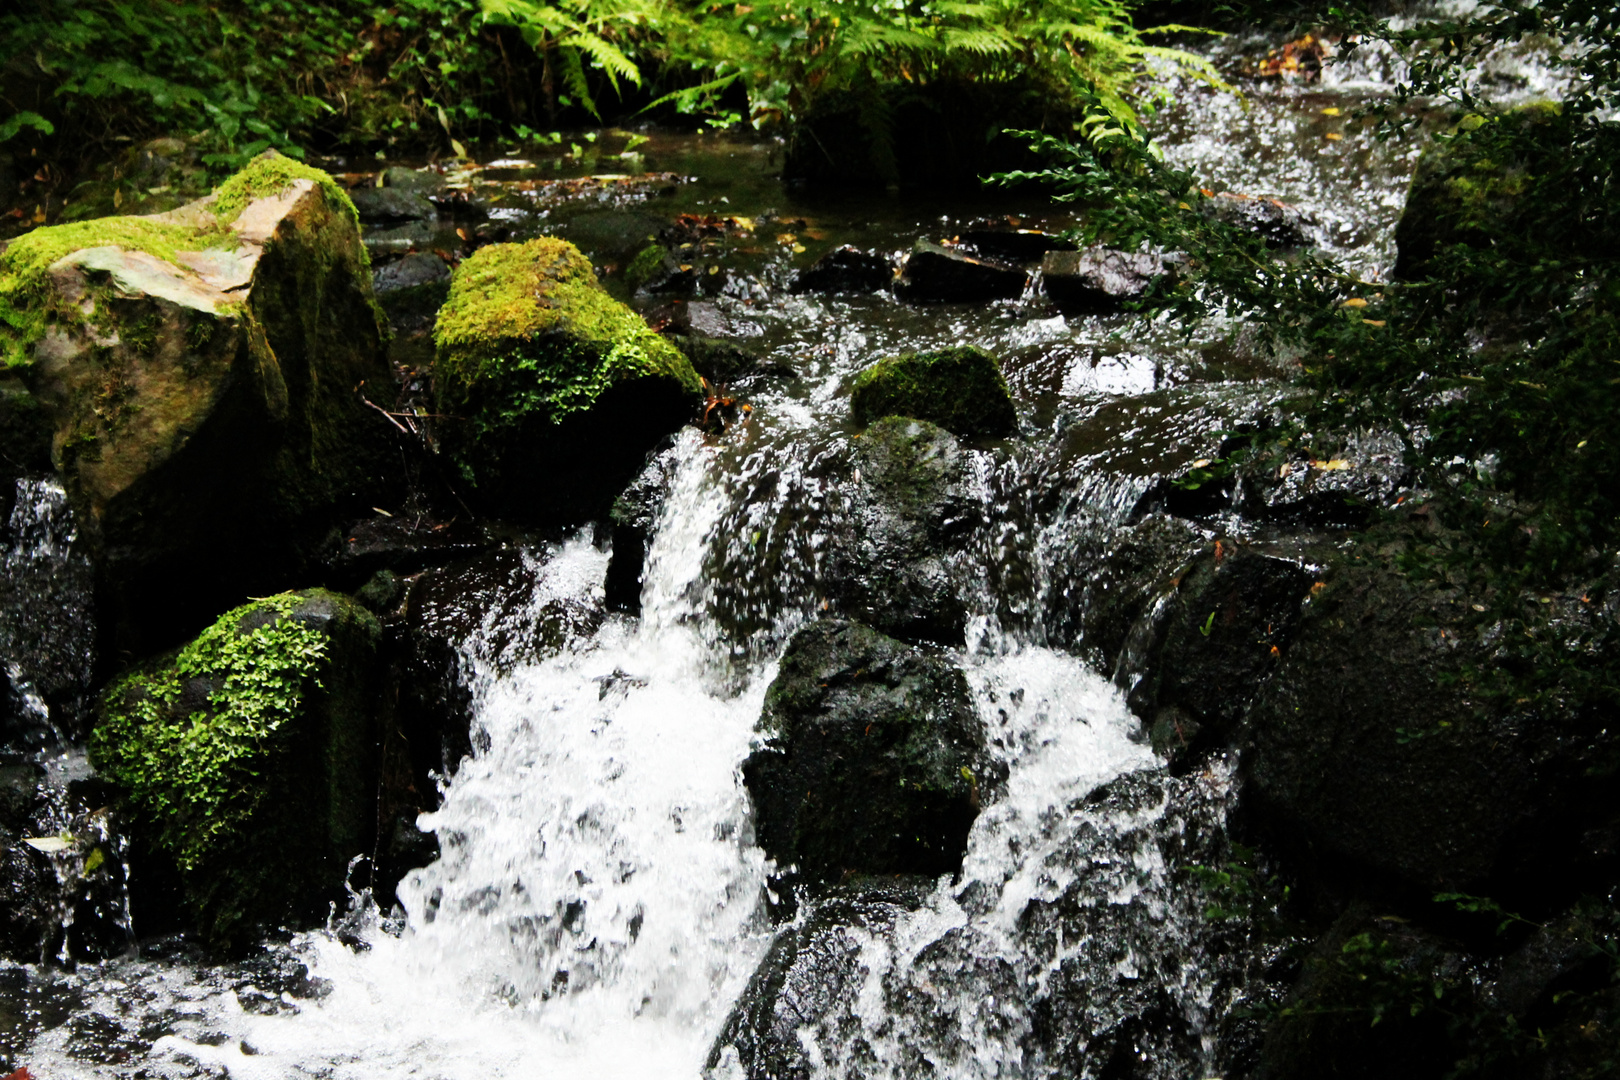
[557, 390]
[912, 513]
[1279, 224]
[1100, 280]
[249, 759]
[635, 512]
[960, 389]
[845, 270]
[874, 760]
[390, 204]
[198, 371]
[942, 275]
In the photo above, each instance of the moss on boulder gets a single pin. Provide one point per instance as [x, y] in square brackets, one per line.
[198, 370]
[556, 389]
[247, 757]
[960, 389]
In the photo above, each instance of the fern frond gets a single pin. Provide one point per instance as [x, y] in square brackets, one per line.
[607, 56]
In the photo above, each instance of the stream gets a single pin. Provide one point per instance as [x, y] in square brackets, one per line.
[599, 906]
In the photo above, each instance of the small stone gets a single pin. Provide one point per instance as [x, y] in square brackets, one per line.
[845, 270]
[1100, 280]
[390, 204]
[938, 274]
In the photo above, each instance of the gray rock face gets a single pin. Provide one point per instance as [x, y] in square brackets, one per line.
[389, 204]
[874, 760]
[416, 181]
[935, 274]
[1100, 280]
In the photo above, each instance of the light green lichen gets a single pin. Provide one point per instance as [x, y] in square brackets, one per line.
[528, 332]
[194, 775]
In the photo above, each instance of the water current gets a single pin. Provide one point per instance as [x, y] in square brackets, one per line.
[599, 905]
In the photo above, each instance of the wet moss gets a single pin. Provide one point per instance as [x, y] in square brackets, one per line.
[960, 389]
[270, 175]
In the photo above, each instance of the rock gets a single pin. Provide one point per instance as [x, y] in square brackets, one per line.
[1100, 280]
[1279, 224]
[25, 441]
[635, 512]
[412, 290]
[1212, 646]
[719, 360]
[403, 544]
[415, 181]
[399, 240]
[911, 516]
[558, 389]
[1019, 245]
[202, 406]
[1381, 760]
[812, 973]
[874, 760]
[938, 274]
[655, 269]
[845, 270]
[960, 389]
[389, 204]
[249, 759]
[1356, 473]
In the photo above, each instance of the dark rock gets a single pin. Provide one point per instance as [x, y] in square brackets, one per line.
[388, 204]
[612, 235]
[1212, 647]
[1363, 471]
[874, 759]
[25, 440]
[845, 270]
[559, 391]
[419, 268]
[718, 360]
[404, 544]
[634, 514]
[960, 389]
[1279, 224]
[262, 813]
[705, 319]
[1100, 280]
[1381, 762]
[1018, 245]
[398, 240]
[812, 973]
[381, 593]
[411, 290]
[912, 513]
[939, 274]
[656, 269]
[415, 181]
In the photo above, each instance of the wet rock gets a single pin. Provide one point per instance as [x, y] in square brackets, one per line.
[702, 318]
[635, 512]
[416, 181]
[1351, 475]
[559, 390]
[933, 273]
[811, 973]
[1279, 224]
[874, 760]
[719, 360]
[913, 514]
[656, 269]
[404, 544]
[960, 389]
[261, 805]
[1380, 760]
[390, 204]
[413, 271]
[203, 414]
[845, 270]
[399, 240]
[612, 235]
[411, 290]
[1212, 645]
[1100, 280]
[25, 441]
[1018, 245]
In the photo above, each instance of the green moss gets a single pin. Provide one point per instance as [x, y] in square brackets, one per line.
[528, 332]
[193, 773]
[647, 262]
[960, 389]
[270, 175]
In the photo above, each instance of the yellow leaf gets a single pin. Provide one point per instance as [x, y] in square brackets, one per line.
[1355, 301]
[1330, 111]
[1334, 135]
[1373, 322]
[1335, 465]
[798, 249]
[118, 197]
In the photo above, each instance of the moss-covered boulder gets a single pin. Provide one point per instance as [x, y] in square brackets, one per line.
[554, 392]
[249, 759]
[960, 389]
[874, 759]
[198, 371]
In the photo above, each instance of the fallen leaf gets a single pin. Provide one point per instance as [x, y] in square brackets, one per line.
[1355, 302]
[1374, 322]
[50, 845]
[1334, 465]
[1331, 110]
[1334, 136]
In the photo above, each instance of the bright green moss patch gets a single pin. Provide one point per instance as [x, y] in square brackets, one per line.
[270, 175]
[960, 389]
[529, 333]
[193, 774]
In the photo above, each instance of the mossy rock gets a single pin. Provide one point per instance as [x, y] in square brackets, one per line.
[248, 758]
[557, 391]
[199, 371]
[874, 760]
[960, 389]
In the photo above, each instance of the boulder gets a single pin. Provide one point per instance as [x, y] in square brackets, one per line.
[874, 760]
[1383, 758]
[198, 371]
[249, 760]
[912, 513]
[390, 204]
[1100, 280]
[556, 391]
[960, 389]
[1279, 224]
[845, 270]
[936, 274]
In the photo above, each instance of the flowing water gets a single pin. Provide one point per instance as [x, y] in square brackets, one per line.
[599, 906]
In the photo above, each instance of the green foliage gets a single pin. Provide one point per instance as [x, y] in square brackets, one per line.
[193, 773]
